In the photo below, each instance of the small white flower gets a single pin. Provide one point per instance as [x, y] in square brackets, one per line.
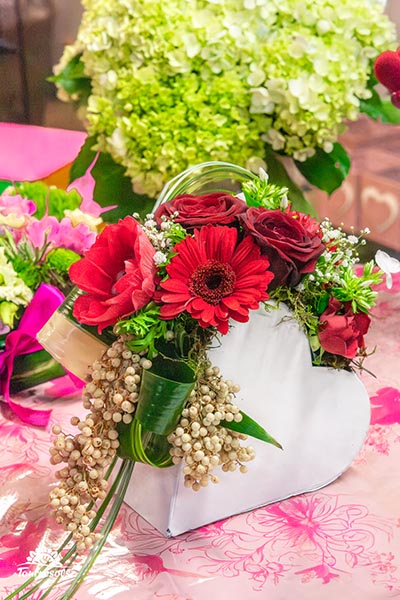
[388, 264]
[159, 258]
[284, 202]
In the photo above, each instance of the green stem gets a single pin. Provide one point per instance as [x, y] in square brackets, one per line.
[127, 468]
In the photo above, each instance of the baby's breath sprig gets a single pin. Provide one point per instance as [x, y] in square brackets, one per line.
[163, 237]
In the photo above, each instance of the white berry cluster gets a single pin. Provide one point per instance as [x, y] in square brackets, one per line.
[200, 439]
[110, 395]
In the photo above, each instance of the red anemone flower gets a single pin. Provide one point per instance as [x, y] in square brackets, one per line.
[214, 278]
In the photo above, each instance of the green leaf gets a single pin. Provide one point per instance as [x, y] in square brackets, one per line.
[278, 175]
[322, 303]
[248, 426]
[326, 171]
[378, 108]
[72, 78]
[391, 113]
[163, 394]
[373, 107]
[112, 184]
[143, 446]
[33, 369]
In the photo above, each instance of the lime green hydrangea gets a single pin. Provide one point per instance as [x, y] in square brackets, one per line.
[174, 87]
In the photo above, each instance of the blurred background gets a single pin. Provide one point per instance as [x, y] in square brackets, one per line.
[33, 34]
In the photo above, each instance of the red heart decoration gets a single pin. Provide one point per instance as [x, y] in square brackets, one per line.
[387, 70]
[395, 98]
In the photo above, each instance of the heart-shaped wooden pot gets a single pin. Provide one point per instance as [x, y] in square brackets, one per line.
[319, 415]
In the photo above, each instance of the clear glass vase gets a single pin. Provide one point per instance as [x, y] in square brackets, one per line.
[206, 178]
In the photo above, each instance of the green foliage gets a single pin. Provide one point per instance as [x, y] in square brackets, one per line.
[303, 306]
[73, 80]
[30, 272]
[248, 426]
[112, 184]
[49, 200]
[278, 175]
[60, 259]
[146, 327]
[378, 108]
[259, 192]
[357, 290]
[327, 171]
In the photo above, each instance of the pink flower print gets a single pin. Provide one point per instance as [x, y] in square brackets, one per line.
[320, 571]
[385, 406]
[317, 526]
[378, 438]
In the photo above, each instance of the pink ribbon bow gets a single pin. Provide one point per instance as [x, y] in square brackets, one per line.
[23, 341]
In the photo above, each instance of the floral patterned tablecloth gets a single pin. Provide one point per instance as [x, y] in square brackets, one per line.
[341, 541]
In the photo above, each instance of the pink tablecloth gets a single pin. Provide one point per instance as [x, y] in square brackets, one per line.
[340, 542]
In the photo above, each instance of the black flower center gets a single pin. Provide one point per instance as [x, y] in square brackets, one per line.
[212, 280]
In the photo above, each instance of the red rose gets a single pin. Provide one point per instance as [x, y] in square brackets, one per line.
[292, 249]
[341, 330]
[311, 225]
[117, 273]
[195, 211]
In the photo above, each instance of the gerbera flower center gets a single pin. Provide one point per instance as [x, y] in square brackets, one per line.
[212, 281]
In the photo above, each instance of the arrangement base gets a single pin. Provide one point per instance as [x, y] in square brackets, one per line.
[319, 415]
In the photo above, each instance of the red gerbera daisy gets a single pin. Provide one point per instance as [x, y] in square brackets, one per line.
[214, 278]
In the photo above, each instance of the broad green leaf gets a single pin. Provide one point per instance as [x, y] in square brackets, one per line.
[163, 394]
[391, 113]
[248, 426]
[33, 369]
[373, 107]
[378, 108]
[322, 303]
[112, 184]
[72, 78]
[326, 171]
[143, 446]
[278, 175]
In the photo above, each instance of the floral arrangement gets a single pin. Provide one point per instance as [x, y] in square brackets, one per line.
[248, 82]
[168, 287]
[43, 231]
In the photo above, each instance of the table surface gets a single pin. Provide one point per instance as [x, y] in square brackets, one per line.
[341, 541]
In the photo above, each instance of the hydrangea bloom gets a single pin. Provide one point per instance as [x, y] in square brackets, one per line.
[12, 288]
[172, 88]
